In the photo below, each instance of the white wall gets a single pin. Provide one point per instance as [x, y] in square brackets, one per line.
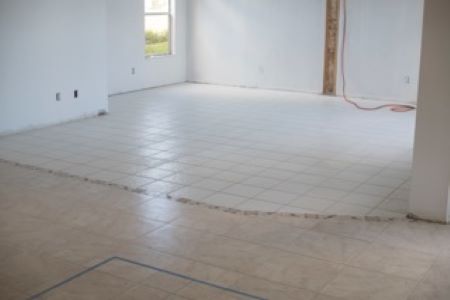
[430, 194]
[126, 42]
[280, 44]
[383, 48]
[51, 46]
[257, 43]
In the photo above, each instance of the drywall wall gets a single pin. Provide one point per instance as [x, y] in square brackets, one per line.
[51, 46]
[126, 41]
[383, 49]
[280, 44]
[257, 43]
[430, 196]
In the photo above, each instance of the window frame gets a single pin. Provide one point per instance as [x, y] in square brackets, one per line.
[169, 15]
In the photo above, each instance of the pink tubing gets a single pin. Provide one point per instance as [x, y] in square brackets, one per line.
[393, 107]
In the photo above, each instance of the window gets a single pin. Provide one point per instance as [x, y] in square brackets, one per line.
[158, 27]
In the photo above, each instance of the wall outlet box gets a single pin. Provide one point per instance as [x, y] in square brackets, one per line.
[58, 97]
[407, 79]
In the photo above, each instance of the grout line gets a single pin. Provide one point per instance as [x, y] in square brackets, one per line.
[390, 194]
[71, 278]
[190, 278]
[108, 260]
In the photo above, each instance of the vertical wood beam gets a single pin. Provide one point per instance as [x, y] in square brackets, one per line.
[331, 47]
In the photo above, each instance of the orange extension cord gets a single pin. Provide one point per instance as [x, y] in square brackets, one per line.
[393, 107]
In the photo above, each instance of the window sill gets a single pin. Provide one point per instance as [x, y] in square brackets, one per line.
[159, 56]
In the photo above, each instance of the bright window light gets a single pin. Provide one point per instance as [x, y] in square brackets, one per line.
[158, 27]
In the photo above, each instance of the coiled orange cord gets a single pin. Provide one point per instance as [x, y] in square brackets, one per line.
[392, 107]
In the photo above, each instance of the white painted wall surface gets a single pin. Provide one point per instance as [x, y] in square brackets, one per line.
[280, 44]
[430, 194]
[383, 48]
[51, 46]
[257, 43]
[126, 42]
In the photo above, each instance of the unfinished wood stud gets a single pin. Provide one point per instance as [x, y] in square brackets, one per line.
[331, 47]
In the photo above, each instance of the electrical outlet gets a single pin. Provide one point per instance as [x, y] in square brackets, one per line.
[407, 79]
[75, 94]
[133, 71]
[58, 97]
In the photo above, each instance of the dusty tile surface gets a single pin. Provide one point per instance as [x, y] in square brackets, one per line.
[237, 148]
[53, 226]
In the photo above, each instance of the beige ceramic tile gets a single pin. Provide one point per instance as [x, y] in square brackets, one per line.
[396, 261]
[166, 282]
[54, 227]
[299, 222]
[80, 247]
[233, 255]
[362, 230]
[177, 240]
[30, 273]
[24, 232]
[359, 284]
[143, 293]
[9, 293]
[126, 270]
[271, 290]
[412, 235]
[297, 271]
[326, 246]
[325, 297]
[209, 220]
[198, 291]
[435, 284]
[119, 225]
[160, 209]
[265, 231]
[94, 285]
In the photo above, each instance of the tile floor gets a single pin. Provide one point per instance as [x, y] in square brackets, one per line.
[119, 278]
[240, 148]
[52, 227]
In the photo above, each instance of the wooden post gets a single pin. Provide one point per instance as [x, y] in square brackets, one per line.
[331, 47]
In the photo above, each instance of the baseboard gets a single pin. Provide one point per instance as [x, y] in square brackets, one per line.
[40, 126]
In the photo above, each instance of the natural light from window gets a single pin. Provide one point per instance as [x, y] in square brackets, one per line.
[158, 27]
